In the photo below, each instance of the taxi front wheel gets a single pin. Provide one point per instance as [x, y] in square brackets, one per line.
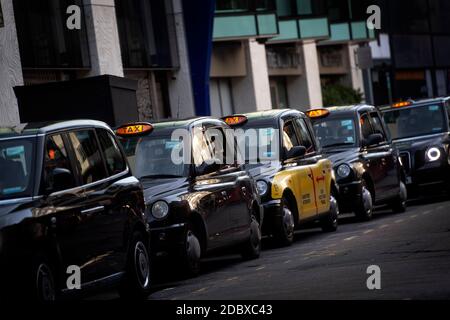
[191, 252]
[136, 283]
[252, 248]
[364, 209]
[399, 204]
[284, 232]
[330, 223]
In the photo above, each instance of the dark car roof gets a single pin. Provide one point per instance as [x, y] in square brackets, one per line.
[417, 103]
[40, 128]
[179, 123]
[272, 113]
[352, 109]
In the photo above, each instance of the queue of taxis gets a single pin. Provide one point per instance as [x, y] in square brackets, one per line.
[295, 181]
[367, 166]
[420, 130]
[199, 199]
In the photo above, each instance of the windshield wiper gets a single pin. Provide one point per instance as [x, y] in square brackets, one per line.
[160, 176]
[339, 144]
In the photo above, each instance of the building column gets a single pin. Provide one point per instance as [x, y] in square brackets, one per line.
[354, 78]
[10, 67]
[252, 92]
[103, 36]
[305, 91]
[180, 85]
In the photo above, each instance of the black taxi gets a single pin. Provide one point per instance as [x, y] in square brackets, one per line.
[421, 132]
[72, 216]
[295, 181]
[367, 167]
[199, 199]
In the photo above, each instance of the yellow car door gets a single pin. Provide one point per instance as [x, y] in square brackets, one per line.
[322, 183]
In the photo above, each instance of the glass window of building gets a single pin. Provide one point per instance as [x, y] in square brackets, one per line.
[44, 39]
[144, 30]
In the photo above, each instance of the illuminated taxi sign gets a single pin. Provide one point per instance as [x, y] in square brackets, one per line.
[317, 113]
[402, 104]
[134, 129]
[235, 120]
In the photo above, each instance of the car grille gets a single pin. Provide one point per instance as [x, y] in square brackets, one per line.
[406, 161]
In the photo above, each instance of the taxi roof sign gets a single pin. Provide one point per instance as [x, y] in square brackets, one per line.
[235, 120]
[402, 104]
[134, 129]
[317, 113]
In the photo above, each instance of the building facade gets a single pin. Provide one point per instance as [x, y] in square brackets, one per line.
[143, 40]
[279, 53]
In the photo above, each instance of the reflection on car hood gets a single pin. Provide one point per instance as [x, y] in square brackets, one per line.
[162, 187]
[261, 170]
[420, 142]
[339, 156]
[19, 209]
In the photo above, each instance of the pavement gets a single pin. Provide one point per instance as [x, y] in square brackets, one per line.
[411, 249]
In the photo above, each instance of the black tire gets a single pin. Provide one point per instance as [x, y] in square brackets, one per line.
[284, 229]
[364, 207]
[252, 247]
[136, 283]
[399, 205]
[191, 252]
[330, 222]
[41, 281]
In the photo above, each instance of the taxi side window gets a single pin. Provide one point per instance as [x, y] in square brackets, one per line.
[55, 157]
[305, 136]
[113, 157]
[88, 156]
[366, 128]
[206, 147]
[290, 139]
[377, 125]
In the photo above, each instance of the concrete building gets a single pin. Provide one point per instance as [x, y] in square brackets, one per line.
[279, 53]
[145, 40]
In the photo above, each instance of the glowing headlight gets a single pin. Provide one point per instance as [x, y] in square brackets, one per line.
[433, 154]
[343, 171]
[160, 209]
[262, 187]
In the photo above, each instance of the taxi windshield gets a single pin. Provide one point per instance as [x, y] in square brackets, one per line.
[417, 121]
[16, 168]
[151, 156]
[335, 132]
[261, 144]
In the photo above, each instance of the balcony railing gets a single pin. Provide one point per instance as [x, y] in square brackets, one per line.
[246, 24]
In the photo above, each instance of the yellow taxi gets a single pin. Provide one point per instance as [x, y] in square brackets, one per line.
[296, 182]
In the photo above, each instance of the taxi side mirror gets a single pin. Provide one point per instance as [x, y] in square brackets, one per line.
[296, 152]
[207, 168]
[373, 139]
[61, 179]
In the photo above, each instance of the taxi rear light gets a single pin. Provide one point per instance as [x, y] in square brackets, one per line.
[401, 104]
[134, 129]
[235, 120]
[317, 113]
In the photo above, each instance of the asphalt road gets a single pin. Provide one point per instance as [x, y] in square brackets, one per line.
[412, 250]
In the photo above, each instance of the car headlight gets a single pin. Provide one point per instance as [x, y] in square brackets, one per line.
[262, 187]
[433, 154]
[343, 171]
[160, 209]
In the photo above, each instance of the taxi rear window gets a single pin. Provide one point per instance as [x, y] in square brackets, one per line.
[16, 168]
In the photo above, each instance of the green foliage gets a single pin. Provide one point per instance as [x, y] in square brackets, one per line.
[339, 95]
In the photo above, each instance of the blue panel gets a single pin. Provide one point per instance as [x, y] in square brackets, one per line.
[198, 21]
